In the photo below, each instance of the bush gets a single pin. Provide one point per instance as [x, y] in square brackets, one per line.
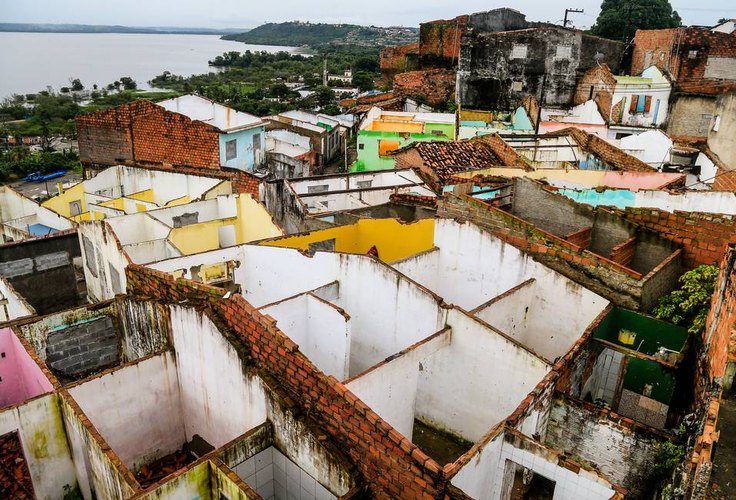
[690, 304]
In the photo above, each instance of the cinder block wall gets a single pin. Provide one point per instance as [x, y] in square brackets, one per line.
[80, 349]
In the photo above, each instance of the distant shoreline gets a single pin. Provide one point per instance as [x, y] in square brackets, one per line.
[117, 30]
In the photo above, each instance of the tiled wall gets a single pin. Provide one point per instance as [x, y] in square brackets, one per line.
[568, 485]
[275, 477]
[604, 379]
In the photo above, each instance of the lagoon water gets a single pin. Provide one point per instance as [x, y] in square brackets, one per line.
[31, 61]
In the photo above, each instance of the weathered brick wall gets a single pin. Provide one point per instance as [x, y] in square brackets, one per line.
[684, 52]
[246, 183]
[160, 136]
[81, 349]
[580, 238]
[439, 42]
[435, 87]
[624, 451]
[597, 83]
[659, 43]
[395, 60]
[146, 133]
[704, 237]
[391, 465]
[105, 137]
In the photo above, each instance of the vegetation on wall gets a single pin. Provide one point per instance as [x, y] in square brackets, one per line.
[689, 305]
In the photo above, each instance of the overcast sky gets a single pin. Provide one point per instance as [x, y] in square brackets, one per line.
[251, 13]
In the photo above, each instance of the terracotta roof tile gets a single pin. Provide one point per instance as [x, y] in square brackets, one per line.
[610, 154]
[15, 478]
[447, 158]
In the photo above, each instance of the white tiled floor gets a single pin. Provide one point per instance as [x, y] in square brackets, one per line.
[275, 477]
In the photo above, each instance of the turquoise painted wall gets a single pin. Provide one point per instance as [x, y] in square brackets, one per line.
[246, 153]
[620, 198]
[368, 141]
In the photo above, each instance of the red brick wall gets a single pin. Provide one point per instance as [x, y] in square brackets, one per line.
[671, 51]
[435, 87]
[105, 136]
[243, 182]
[704, 237]
[623, 253]
[581, 238]
[389, 463]
[603, 83]
[439, 42]
[143, 132]
[398, 59]
[660, 42]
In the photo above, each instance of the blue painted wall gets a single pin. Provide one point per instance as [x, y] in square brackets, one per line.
[246, 153]
[620, 198]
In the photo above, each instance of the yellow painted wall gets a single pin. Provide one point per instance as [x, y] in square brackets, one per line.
[146, 195]
[179, 201]
[254, 221]
[60, 203]
[198, 237]
[408, 127]
[393, 239]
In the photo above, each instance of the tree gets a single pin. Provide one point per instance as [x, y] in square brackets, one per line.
[324, 95]
[367, 64]
[128, 83]
[363, 80]
[690, 304]
[619, 19]
[76, 84]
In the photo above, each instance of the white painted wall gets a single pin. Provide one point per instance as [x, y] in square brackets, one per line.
[321, 330]
[477, 381]
[119, 403]
[359, 199]
[218, 401]
[167, 186]
[270, 274]
[350, 181]
[471, 266]
[44, 443]
[389, 313]
[16, 306]
[658, 88]
[138, 227]
[476, 478]
[532, 316]
[585, 113]
[107, 254]
[652, 147]
[390, 388]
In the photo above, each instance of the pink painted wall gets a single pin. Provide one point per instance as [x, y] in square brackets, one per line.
[20, 376]
[635, 181]
[599, 130]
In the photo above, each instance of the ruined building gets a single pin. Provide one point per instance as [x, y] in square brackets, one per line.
[496, 70]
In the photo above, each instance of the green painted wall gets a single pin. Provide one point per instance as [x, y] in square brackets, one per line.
[642, 372]
[651, 334]
[368, 140]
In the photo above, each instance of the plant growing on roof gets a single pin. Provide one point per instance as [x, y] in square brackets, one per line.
[690, 304]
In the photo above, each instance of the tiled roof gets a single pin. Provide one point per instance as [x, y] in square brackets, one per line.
[610, 154]
[15, 478]
[447, 158]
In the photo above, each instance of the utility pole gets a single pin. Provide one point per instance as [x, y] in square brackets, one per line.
[573, 11]
[539, 118]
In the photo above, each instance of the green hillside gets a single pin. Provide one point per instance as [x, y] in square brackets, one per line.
[296, 34]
